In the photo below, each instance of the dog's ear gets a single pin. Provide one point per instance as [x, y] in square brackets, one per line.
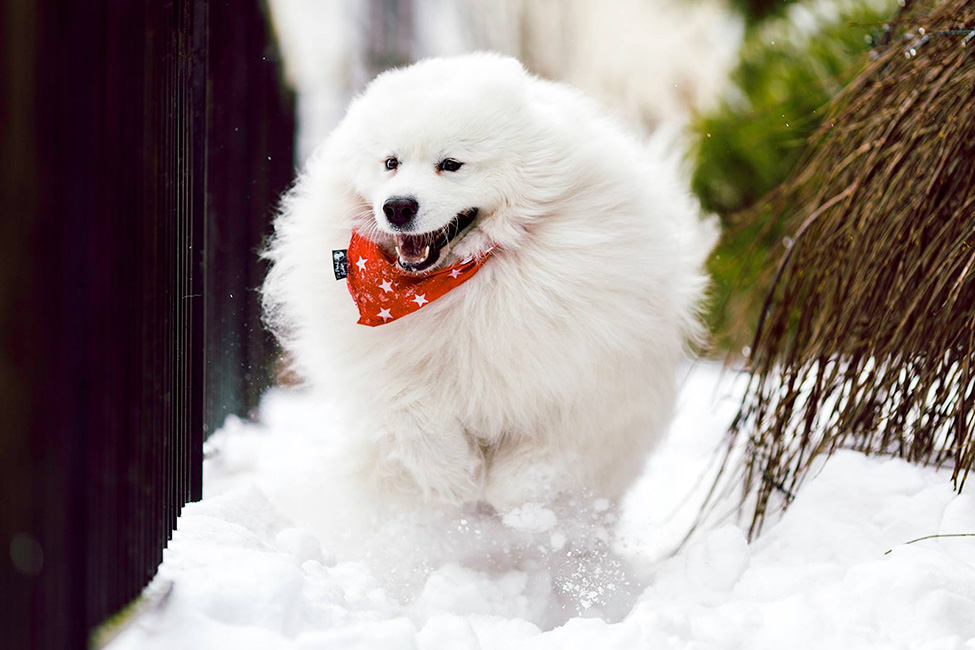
[501, 79]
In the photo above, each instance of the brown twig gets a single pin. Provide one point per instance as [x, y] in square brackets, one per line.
[921, 539]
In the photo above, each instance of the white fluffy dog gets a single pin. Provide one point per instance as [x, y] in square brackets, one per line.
[549, 371]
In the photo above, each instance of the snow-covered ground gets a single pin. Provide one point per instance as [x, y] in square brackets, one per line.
[277, 556]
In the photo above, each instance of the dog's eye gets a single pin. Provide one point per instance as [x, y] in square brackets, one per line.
[391, 163]
[449, 165]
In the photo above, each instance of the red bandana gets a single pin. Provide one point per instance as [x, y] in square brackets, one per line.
[383, 292]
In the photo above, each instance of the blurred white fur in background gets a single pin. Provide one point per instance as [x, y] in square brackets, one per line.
[650, 61]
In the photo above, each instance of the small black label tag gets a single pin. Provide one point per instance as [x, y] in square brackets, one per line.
[340, 263]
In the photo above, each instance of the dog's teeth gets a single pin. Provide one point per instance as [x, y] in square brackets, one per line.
[414, 258]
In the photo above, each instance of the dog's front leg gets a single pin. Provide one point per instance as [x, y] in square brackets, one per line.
[440, 464]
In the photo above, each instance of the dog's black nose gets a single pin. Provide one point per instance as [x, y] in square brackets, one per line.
[400, 210]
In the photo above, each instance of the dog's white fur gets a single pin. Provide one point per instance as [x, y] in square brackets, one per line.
[552, 370]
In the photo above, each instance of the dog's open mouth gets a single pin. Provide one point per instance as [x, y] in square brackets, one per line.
[419, 252]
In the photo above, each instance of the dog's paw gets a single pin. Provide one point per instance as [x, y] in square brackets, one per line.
[445, 470]
[522, 476]
[454, 489]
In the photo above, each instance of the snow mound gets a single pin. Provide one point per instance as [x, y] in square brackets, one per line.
[278, 556]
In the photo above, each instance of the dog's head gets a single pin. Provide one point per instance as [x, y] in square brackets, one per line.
[434, 157]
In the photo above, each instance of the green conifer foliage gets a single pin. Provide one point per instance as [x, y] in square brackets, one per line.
[791, 66]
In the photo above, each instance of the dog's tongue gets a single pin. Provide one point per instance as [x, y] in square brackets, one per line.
[413, 249]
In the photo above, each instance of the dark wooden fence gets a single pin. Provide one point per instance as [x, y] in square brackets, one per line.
[143, 144]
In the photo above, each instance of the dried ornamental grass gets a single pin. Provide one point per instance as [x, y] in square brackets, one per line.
[867, 337]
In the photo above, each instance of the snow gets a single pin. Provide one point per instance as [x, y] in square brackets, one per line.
[531, 517]
[277, 556]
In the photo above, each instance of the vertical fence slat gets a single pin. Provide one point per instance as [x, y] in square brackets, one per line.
[250, 165]
[144, 145]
